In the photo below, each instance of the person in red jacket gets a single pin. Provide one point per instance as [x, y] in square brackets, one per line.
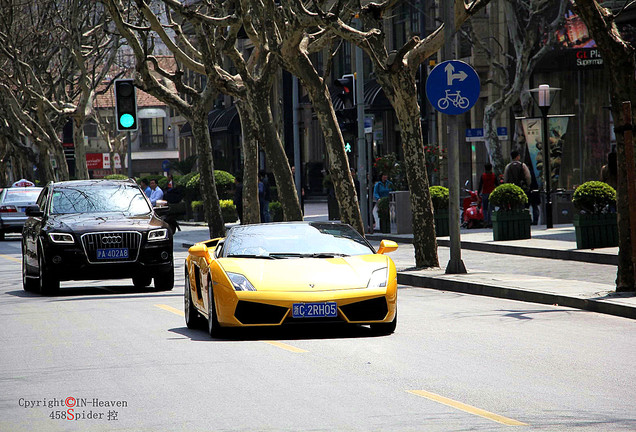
[487, 184]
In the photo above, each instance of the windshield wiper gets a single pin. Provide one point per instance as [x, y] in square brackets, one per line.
[250, 256]
[324, 255]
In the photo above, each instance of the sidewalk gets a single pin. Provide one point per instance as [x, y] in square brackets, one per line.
[547, 268]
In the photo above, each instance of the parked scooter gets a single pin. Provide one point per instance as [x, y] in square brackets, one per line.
[473, 217]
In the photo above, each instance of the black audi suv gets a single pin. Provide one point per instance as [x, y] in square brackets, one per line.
[95, 229]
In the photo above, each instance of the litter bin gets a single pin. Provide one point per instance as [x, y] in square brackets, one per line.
[562, 207]
[401, 204]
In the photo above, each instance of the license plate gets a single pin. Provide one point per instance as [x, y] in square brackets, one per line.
[315, 310]
[112, 253]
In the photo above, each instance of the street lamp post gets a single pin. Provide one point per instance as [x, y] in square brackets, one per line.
[544, 101]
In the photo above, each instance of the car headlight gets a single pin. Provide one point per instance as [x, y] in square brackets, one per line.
[240, 282]
[158, 234]
[378, 279]
[63, 238]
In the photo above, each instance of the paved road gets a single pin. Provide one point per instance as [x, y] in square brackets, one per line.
[456, 362]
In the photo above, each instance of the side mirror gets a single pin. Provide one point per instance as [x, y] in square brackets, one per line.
[387, 246]
[198, 250]
[33, 211]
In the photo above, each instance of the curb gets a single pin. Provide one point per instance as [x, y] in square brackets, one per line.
[598, 305]
[566, 255]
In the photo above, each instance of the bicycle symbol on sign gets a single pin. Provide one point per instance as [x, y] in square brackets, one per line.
[455, 98]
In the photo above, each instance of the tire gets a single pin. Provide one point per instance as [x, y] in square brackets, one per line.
[141, 281]
[214, 328]
[1, 235]
[192, 318]
[384, 329]
[443, 104]
[463, 102]
[28, 284]
[48, 284]
[165, 281]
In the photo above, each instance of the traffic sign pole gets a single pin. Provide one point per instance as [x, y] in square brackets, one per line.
[455, 264]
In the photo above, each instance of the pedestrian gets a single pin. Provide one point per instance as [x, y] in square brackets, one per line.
[156, 192]
[169, 183]
[380, 190]
[517, 172]
[238, 196]
[264, 196]
[609, 171]
[487, 183]
[144, 187]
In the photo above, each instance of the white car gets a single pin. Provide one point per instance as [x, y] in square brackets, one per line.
[13, 202]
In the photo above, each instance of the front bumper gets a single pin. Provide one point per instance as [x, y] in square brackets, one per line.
[355, 306]
[69, 262]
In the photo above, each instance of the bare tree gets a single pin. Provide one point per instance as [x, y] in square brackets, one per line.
[532, 29]
[620, 58]
[65, 55]
[396, 73]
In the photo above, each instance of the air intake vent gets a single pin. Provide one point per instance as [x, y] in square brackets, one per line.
[259, 313]
[367, 310]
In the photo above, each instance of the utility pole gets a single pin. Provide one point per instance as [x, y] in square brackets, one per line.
[361, 145]
[455, 264]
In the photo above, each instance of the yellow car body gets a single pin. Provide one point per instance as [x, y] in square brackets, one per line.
[310, 284]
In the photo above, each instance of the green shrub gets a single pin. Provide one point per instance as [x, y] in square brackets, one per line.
[162, 182]
[183, 180]
[116, 177]
[508, 197]
[224, 184]
[439, 197]
[276, 211]
[595, 197]
[228, 211]
[383, 208]
[196, 205]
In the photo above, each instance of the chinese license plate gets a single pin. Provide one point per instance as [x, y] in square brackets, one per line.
[315, 310]
[112, 253]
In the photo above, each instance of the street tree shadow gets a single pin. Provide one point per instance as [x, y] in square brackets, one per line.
[97, 292]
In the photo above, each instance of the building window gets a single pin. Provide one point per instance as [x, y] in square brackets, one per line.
[152, 133]
[90, 129]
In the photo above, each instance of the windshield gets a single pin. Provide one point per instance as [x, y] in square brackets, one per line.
[125, 199]
[22, 195]
[320, 240]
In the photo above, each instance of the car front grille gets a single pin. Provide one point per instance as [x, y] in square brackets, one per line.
[130, 240]
[259, 313]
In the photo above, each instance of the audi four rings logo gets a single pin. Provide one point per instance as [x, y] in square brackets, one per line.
[114, 239]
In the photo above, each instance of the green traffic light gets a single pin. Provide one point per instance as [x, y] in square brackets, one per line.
[126, 120]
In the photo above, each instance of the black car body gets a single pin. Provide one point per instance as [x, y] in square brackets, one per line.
[95, 229]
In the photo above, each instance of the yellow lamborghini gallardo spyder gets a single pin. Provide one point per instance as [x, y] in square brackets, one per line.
[292, 272]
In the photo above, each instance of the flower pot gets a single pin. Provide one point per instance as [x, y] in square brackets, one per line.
[441, 223]
[385, 225]
[511, 225]
[595, 230]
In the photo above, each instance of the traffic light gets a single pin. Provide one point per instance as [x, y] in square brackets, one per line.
[348, 122]
[348, 93]
[125, 105]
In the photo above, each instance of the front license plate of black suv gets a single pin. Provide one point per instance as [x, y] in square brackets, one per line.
[112, 253]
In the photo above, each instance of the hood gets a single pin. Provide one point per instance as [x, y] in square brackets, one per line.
[84, 222]
[306, 274]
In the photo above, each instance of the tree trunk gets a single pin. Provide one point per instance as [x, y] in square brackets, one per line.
[276, 157]
[81, 170]
[251, 208]
[620, 60]
[401, 91]
[212, 206]
[491, 113]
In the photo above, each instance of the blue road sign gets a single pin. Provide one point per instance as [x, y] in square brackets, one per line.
[453, 87]
[165, 165]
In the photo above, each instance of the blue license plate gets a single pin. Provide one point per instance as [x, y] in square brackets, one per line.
[112, 253]
[315, 310]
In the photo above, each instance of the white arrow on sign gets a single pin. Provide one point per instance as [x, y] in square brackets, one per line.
[450, 76]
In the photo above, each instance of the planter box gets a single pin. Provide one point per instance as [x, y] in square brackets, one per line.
[595, 231]
[441, 223]
[385, 225]
[511, 225]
